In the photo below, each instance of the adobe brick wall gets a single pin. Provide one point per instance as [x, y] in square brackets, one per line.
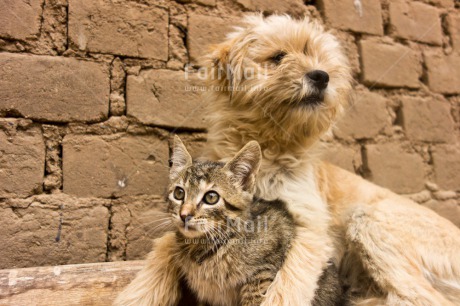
[91, 91]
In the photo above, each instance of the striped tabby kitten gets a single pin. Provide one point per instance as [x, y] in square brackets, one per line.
[230, 245]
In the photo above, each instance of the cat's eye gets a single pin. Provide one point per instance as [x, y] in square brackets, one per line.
[179, 193]
[211, 197]
[278, 57]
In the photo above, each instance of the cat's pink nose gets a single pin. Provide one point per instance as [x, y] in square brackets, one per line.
[186, 212]
[186, 217]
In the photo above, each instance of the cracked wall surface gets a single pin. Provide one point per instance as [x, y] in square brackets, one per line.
[91, 93]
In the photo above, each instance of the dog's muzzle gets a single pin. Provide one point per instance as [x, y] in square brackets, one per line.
[319, 80]
[312, 100]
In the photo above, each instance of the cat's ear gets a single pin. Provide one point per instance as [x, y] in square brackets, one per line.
[180, 159]
[245, 165]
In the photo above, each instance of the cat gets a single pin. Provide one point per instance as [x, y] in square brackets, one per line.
[228, 245]
[232, 245]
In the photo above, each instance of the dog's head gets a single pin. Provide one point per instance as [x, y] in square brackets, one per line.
[284, 74]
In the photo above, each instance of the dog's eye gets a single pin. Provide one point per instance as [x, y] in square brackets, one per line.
[278, 57]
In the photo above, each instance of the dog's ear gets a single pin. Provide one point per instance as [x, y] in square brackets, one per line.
[219, 62]
[245, 165]
[180, 159]
[226, 62]
[220, 52]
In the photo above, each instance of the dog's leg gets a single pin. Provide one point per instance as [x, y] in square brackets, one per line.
[312, 247]
[383, 245]
[297, 281]
[158, 282]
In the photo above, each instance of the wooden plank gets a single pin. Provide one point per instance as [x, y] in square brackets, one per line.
[83, 284]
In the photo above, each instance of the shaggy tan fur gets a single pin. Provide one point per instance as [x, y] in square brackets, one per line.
[393, 251]
[157, 283]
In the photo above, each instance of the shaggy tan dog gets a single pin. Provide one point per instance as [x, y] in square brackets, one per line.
[284, 83]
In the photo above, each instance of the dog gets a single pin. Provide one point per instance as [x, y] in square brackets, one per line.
[285, 83]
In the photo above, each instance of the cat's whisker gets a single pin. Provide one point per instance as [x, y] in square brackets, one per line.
[208, 231]
[147, 225]
[154, 212]
[155, 232]
[212, 232]
[222, 235]
[229, 237]
[163, 227]
[208, 236]
[229, 230]
[153, 219]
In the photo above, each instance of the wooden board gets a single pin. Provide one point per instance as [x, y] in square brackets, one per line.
[83, 284]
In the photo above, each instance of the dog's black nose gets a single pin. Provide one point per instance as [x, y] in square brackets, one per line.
[318, 78]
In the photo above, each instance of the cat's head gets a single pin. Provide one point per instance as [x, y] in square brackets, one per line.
[204, 196]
